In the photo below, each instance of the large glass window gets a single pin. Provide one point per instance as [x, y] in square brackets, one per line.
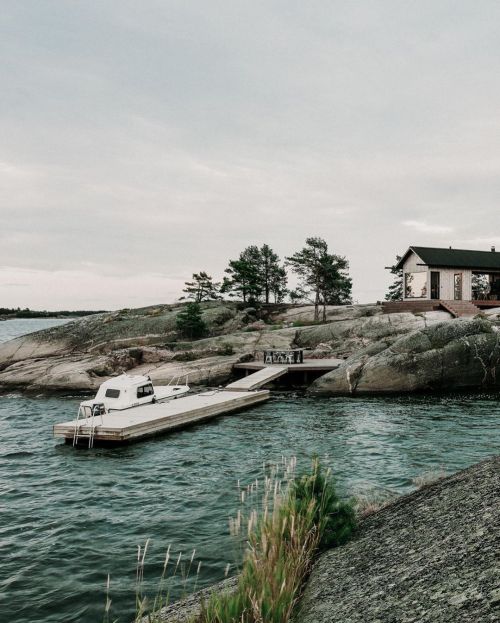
[415, 285]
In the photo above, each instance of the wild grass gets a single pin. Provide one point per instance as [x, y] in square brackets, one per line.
[428, 478]
[367, 504]
[283, 522]
[300, 515]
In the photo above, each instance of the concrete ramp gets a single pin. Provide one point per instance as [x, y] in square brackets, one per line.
[257, 379]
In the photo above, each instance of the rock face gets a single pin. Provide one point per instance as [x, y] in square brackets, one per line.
[80, 355]
[384, 353]
[431, 556]
[449, 355]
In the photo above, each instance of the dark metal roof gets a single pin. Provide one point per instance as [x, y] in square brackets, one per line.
[455, 258]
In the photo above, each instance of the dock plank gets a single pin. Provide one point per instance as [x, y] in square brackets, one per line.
[257, 379]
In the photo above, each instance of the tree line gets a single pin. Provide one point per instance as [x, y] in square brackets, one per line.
[258, 276]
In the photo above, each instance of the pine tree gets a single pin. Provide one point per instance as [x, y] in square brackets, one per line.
[322, 275]
[244, 276]
[273, 275]
[202, 288]
[190, 323]
[395, 292]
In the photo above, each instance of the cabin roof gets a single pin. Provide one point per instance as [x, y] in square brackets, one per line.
[454, 258]
[124, 380]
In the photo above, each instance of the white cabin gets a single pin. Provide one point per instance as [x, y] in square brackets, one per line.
[450, 274]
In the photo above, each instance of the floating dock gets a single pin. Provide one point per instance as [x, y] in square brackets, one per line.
[137, 423]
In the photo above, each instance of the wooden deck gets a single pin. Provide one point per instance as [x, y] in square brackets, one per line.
[309, 365]
[396, 307]
[159, 418]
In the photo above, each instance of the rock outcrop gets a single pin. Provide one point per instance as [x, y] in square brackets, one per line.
[456, 354]
[431, 556]
[383, 352]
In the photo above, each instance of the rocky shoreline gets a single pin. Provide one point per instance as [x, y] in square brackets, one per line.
[430, 556]
[399, 352]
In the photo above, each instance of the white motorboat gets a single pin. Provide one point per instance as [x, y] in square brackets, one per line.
[125, 392]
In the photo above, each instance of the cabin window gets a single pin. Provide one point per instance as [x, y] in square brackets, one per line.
[112, 393]
[415, 285]
[145, 390]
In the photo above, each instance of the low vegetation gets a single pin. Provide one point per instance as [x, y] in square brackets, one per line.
[281, 545]
[298, 516]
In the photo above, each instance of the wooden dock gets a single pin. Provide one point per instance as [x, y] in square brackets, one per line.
[309, 365]
[155, 419]
[257, 379]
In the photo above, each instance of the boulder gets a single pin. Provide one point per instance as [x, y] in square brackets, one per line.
[348, 335]
[457, 354]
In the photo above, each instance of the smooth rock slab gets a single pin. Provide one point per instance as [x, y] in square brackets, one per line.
[431, 557]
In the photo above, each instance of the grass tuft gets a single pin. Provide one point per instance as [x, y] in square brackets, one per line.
[296, 522]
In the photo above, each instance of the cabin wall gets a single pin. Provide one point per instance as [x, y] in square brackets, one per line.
[447, 290]
[412, 264]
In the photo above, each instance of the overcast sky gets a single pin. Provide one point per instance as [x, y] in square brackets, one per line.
[141, 141]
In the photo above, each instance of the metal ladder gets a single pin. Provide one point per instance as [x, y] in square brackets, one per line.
[94, 411]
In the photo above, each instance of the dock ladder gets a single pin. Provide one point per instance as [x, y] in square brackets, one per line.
[87, 412]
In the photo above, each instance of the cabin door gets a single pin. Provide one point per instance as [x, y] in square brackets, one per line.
[435, 284]
[457, 286]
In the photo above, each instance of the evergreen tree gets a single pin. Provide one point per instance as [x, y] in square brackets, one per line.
[395, 292]
[190, 323]
[257, 274]
[273, 275]
[322, 275]
[202, 288]
[244, 276]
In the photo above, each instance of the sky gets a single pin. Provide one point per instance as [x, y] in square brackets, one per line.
[143, 141]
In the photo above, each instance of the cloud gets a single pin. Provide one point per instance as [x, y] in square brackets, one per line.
[160, 140]
[428, 228]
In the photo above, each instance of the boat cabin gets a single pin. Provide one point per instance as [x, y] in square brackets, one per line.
[450, 274]
[123, 392]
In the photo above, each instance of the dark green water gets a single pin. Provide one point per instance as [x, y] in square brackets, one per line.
[69, 517]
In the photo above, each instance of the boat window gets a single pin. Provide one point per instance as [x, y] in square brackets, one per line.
[145, 390]
[112, 393]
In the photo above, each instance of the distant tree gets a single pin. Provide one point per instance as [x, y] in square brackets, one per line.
[190, 323]
[480, 286]
[395, 292]
[323, 276]
[256, 275]
[273, 275]
[202, 288]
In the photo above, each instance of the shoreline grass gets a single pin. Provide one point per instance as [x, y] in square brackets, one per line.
[295, 524]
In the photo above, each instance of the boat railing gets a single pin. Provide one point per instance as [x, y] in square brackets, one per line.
[177, 380]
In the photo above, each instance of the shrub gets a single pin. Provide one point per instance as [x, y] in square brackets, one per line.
[190, 323]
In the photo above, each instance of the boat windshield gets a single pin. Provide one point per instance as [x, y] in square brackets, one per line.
[145, 390]
[112, 393]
